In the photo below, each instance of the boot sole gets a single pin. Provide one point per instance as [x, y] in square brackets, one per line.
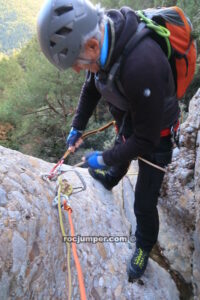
[104, 185]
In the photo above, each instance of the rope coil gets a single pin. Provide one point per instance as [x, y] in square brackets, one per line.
[159, 29]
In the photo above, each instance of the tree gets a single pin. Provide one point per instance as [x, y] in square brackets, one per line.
[10, 71]
[40, 102]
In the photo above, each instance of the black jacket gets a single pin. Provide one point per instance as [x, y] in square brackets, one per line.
[149, 88]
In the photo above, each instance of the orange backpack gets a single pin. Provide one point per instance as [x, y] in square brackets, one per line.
[175, 27]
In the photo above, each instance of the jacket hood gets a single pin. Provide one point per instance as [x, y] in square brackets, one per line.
[125, 25]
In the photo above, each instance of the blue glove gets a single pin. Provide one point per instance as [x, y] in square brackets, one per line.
[73, 137]
[95, 160]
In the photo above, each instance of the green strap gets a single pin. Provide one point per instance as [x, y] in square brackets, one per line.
[159, 29]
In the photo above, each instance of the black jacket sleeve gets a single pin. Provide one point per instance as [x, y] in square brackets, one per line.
[146, 82]
[89, 98]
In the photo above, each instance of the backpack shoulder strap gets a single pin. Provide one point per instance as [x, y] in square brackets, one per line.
[135, 40]
[140, 34]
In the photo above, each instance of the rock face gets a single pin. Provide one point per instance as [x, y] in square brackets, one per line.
[179, 207]
[33, 257]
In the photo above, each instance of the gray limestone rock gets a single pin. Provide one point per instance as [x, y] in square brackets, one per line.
[3, 197]
[33, 256]
[196, 236]
[179, 207]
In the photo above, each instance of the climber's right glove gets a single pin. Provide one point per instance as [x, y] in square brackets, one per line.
[95, 160]
[73, 137]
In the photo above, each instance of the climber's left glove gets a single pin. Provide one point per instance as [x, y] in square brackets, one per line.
[95, 160]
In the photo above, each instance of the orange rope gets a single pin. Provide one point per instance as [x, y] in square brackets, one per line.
[91, 132]
[76, 259]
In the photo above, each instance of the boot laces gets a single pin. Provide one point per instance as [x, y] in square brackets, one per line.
[140, 257]
[99, 171]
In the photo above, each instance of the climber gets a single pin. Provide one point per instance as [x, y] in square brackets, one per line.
[82, 36]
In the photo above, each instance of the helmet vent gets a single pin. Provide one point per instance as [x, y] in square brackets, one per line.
[52, 44]
[63, 9]
[64, 51]
[64, 31]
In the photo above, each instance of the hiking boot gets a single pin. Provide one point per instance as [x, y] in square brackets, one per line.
[138, 264]
[107, 180]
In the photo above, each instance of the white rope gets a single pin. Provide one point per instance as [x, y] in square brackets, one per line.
[153, 165]
[140, 158]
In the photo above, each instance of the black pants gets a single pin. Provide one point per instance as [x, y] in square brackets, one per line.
[147, 191]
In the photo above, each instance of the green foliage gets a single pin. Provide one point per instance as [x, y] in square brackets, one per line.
[100, 141]
[40, 101]
[10, 71]
[17, 23]
[136, 4]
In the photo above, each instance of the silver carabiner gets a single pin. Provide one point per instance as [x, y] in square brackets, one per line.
[63, 198]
